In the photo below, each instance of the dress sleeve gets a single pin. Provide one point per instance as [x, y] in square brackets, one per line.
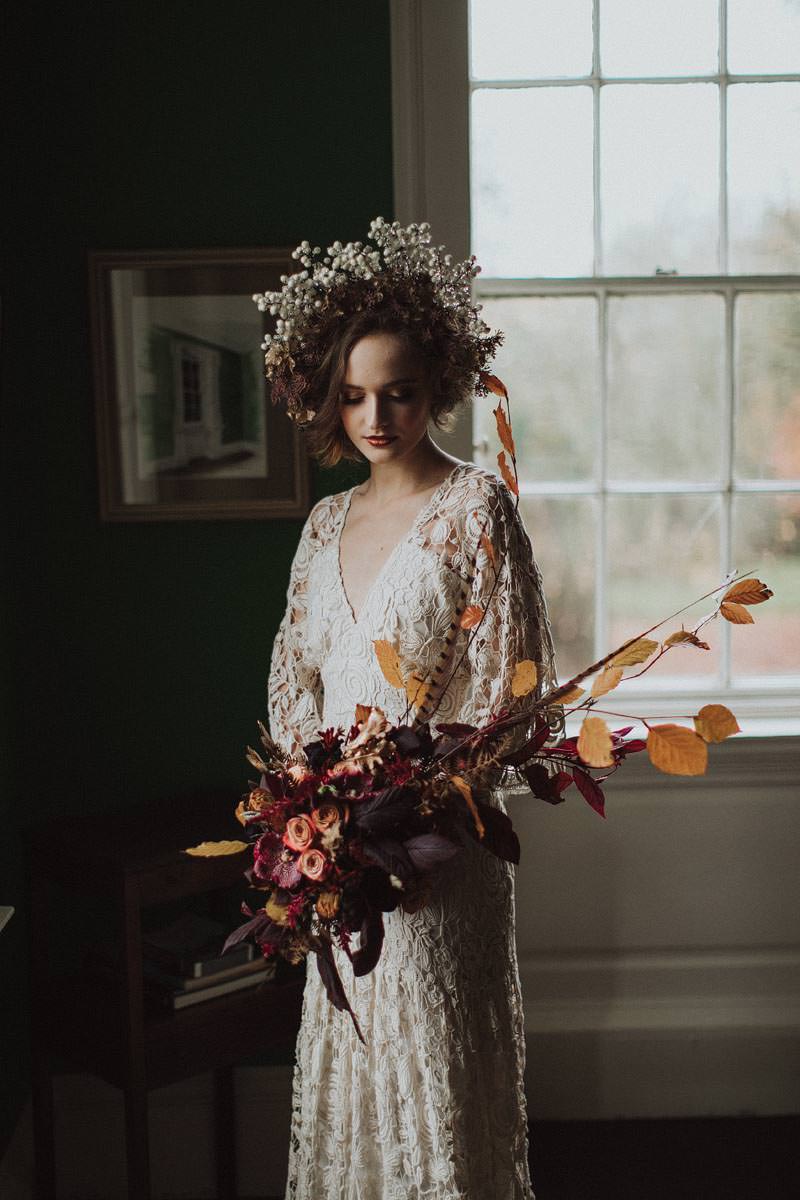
[295, 687]
[516, 624]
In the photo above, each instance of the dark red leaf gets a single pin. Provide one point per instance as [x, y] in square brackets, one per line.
[590, 790]
[366, 957]
[542, 785]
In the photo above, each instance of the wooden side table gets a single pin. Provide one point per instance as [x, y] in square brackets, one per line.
[96, 1023]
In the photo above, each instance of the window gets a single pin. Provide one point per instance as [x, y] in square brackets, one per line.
[632, 179]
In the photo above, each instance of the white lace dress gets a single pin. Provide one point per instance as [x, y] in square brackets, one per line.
[432, 1107]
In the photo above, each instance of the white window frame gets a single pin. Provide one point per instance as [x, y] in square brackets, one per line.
[431, 90]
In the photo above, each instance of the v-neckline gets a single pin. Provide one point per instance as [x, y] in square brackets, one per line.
[434, 496]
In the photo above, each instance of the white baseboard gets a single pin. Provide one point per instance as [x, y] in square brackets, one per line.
[663, 1034]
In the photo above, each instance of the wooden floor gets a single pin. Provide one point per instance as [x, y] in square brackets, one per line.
[743, 1158]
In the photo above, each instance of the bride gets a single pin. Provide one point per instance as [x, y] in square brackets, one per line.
[374, 347]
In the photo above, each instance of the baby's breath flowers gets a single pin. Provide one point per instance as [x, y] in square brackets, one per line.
[397, 269]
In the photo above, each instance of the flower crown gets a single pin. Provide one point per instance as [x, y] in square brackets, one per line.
[399, 272]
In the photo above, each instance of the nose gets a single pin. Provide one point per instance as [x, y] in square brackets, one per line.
[376, 413]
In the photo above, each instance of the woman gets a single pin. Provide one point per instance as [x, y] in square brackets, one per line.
[432, 1107]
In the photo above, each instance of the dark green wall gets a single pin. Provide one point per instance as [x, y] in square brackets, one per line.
[135, 656]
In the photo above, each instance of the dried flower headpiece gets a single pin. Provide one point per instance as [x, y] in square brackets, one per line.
[396, 270]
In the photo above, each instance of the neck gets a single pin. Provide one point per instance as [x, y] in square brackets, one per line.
[418, 470]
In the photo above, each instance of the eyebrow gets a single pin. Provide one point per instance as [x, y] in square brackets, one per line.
[357, 387]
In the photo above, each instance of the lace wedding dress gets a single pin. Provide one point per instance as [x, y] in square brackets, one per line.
[432, 1107]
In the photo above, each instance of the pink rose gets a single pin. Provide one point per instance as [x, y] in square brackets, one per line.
[313, 864]
[299, 833]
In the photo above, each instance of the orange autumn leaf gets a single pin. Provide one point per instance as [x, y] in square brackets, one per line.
[715, 722]
[417, 690]
[571, 695]
[677, 750]
[685, 636]
[362, 713]
[594, 743]
[507, 473]
[216, 849]
[737, 614]
[493, 384]
[638, 652]
[524, 678]
[489, 548]
[466, 791]
[606, 681]
[389, 662]
[748, 591]
[504, 430]
[471, 615]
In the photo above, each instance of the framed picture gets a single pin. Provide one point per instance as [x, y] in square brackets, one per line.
[185, 427]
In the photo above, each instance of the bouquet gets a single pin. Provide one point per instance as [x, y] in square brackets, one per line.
[359, 826]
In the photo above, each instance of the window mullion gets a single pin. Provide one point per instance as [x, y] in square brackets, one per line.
[601, 537]
[728, 433]
[598, 249]
[723, 137]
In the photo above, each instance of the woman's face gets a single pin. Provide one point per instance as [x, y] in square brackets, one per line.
[385, 401]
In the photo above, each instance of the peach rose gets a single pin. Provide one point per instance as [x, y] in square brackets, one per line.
[313, 864]
[325, 816]
[299, 833]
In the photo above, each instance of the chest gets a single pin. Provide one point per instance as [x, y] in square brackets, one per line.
[367, 541]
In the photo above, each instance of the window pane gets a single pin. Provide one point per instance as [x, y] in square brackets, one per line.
[550, 364]
[649, 37]
[662, 552]
[766, 540]
[763, 37]
[764, 176]
[532, 181]
[659, 178]
[665, 387]
[768, 386]
[518, 39]
[568, 578]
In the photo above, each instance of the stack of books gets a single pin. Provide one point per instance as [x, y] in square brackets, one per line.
[183, 962]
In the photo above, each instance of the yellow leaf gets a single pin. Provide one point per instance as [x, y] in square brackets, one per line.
[748, 591]
[255, 759]
[524, 678]
[737, 614]
[594, 743]
[507, 473]
[686, 635]
[504, 430]
[466, 791]
[715, 722]
[606, 681]
[638, 652]
[571, 695]
[276, 912]
[216, 849]
[677, 750]
[389, 662]
[489, 548]
[240, 813]
[493, 384]
[417, 690]
[471, 616]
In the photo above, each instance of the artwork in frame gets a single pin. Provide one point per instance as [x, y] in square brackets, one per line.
[185, 427]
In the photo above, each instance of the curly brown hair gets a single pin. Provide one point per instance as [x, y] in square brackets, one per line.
[450, 384]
